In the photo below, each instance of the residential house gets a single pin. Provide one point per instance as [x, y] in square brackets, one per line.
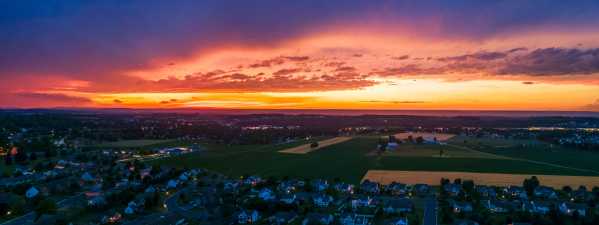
[421, 189]
[32, 192]
[172, 184]
[288, 198]
[246, 216]
[397, 188]
[465, 222]
[581, 195]
[318, 218]
[354, 219]
[569, 208]
[370, 187]
[344, 188]
[398, 205]
[516, 192]
[500, 206]
[252, 180]
[459, 207]
[320, 185]
[132, 208]
[537, 207]
[398, 221]
[87, 178]
[266, 194]
[281, 218]
[322, 200]
[363, 202]
[287, 186]
[486, 191]
[96, 201]
[452, 189]
[231, 186]
[545, 192]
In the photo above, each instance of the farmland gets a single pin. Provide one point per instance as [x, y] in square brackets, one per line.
[494, 179]
[350, 160]
[305, 148]
[132, 143]
[425, 135]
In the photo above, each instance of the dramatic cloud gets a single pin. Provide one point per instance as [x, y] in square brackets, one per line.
[553, 61]
[213, 46]
[540, 62]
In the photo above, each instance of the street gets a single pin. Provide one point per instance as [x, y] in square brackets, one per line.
[430, 212]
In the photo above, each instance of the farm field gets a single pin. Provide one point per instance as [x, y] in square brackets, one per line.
[531, 150]
[133, 143]
[442, 151]
[494, 179]
[305, 148]
[347, 160]
[425, 135]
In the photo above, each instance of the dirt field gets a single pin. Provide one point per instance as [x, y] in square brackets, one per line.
[425, 135]
[496, 179]
[303, 149]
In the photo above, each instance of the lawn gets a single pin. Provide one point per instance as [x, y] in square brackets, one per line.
[348, 161]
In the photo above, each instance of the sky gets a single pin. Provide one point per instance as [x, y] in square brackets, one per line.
[272, 54]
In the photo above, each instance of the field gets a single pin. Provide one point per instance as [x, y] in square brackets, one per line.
[350, 161]
[132, 143]
[425, 135]
[305, 148]
[532, 151]
[443, 151]
[495, 179]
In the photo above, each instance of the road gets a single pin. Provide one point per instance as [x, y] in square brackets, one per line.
[430, 212]
[28, 218]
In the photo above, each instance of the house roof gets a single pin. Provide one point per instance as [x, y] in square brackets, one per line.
[399, 203]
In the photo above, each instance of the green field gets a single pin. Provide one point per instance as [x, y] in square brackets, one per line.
[133, 143]
[532, 150]
[350, 160]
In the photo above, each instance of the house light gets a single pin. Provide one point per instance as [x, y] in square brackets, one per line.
[164, 205]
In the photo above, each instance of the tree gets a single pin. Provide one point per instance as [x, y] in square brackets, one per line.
[314, 144]
[8, 160]
[45, 206]
[468, 186]
[419, 140]
[32, 156]
[531, 184]
[21, 156]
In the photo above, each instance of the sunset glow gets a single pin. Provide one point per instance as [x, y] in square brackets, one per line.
[456, 58]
